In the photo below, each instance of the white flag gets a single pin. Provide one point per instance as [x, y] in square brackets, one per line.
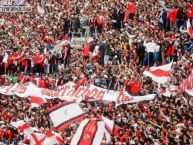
[5, 59]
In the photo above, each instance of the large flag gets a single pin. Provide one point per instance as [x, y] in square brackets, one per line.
[5, 59]
[159, 74]
[189, 28]
[37, 101]
[23, 127]
[64, 114]
[110, 125]
[90, 132]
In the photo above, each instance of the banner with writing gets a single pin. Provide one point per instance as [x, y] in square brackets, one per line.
[70, 92]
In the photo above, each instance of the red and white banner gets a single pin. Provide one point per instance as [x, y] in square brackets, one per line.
[23, 127]
[64, 114]
[159, 74]
[90, 132]
[70, 92]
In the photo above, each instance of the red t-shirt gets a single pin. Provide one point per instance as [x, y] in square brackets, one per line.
[43, 83]
[131, 8]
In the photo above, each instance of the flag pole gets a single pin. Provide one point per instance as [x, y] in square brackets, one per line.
[148, 58]
[5, 68]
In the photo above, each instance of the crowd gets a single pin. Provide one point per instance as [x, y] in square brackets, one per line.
[114, 56]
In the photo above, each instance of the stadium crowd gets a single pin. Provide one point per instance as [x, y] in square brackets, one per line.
[113, 57]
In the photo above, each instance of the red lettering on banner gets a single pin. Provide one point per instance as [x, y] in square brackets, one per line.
[71, 92]
[85, 93]
[101, 95]
[43, 91]
[79, 92]
[92, 94]
[16, 88]
[64, 90]
[56, 93]
[22, 89]
[8, 88]
[49, 93]
[46, 92]
[123, 98]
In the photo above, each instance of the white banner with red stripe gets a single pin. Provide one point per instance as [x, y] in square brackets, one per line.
[64, 114]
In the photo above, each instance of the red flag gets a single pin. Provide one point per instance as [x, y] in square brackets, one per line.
[172, 15]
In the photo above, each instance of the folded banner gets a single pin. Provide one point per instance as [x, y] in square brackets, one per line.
[159, 74]
[69, 92]
[90, 132]
[64, 114]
